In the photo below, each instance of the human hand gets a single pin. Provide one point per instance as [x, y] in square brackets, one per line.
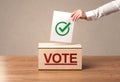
[78, 14]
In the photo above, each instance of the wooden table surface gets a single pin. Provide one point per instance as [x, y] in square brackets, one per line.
[25, 69]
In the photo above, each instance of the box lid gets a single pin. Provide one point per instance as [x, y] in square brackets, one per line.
[58, 45]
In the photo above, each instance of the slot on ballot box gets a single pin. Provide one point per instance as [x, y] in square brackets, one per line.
[59, 56]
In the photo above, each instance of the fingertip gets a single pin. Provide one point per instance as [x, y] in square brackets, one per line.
[72, 14]
[73, 18]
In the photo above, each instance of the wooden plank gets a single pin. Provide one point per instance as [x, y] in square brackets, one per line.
[25, 69]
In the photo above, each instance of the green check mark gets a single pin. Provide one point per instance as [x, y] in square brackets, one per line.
[63, 29]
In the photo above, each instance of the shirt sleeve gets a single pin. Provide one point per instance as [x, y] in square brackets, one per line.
[106, 9]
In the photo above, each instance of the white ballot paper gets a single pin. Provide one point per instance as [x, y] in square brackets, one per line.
[62, 27]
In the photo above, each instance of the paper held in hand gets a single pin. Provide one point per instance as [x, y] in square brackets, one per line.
[62, 27]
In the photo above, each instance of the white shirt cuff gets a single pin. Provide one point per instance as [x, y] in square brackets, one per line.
[90, 15]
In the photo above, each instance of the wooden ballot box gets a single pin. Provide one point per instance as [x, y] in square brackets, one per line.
[59, 56]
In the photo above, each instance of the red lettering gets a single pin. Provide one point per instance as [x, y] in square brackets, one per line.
[73, 56]
[54, 58]
[65, 57]
[47, 59]
[61, 59]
